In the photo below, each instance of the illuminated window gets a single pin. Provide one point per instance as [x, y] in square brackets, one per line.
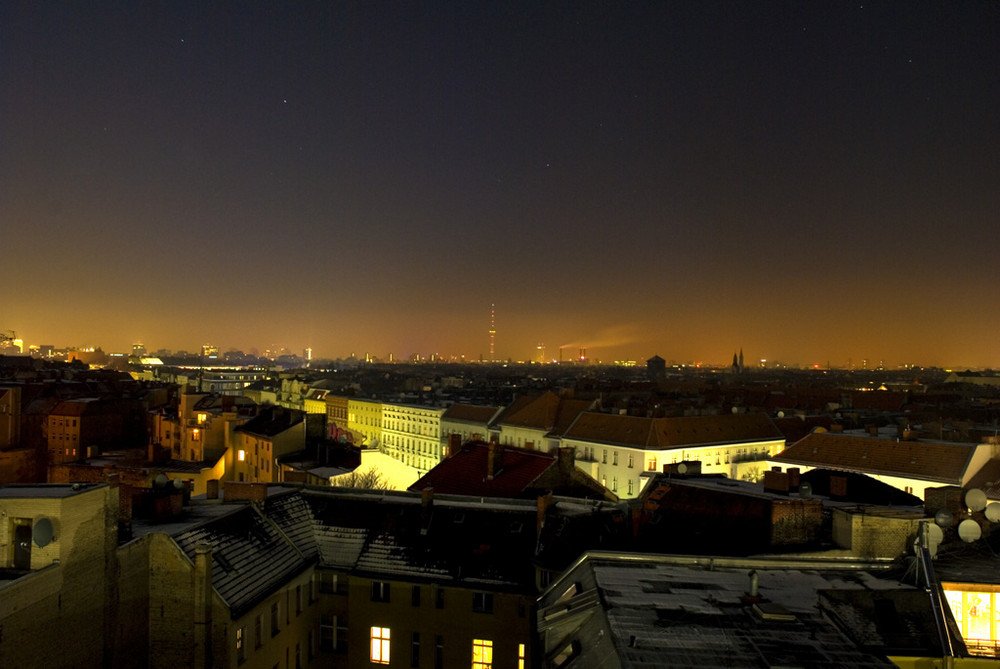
[380, 645]
[482, 654]
[241, 649]
[520, 656]
[241, 455]
[196, 435]
[202, 417]
[651, 465]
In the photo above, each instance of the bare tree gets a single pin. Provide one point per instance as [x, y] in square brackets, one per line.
[371, 478]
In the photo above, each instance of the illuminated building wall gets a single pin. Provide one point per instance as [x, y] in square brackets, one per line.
[364, 419]
[412, 435]
[976, 609]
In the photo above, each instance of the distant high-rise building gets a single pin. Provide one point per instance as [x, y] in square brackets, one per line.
[139, 350]
[209, 351]
[493, 332]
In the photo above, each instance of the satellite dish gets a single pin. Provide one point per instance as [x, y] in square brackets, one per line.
[805, 490]
[944, 518]
[42, 532]
[969, 530]
[993, 512]
[160, 481]
[178, 484]
[935, 534]
[781, 414]
[682, 468]
[975, 499]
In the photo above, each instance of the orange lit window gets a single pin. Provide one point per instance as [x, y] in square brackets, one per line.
[380, 645]
[520, 656]
[651, 465]
[241, 455]
[482, 654]
[195, 434]
[202, 417]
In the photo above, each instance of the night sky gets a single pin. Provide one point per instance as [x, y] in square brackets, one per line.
[811, 182]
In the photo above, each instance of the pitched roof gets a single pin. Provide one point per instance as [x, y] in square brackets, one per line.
[272, 421]
[470, 413]
[547, 412]
[464, 473]
[922, 460]
[668, 433]
[254, 556]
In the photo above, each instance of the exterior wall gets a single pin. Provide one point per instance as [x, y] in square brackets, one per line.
[364, 419]
[253, 459]
[67, 605]
[396, 475]
[464, 429]
[336, 411]
[526, 437]
[873, 536]
[620, 468]
[448, 629]
[974, 607]
[10, 417]
[412, 435]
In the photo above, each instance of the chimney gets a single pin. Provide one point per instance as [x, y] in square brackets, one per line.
[567, 461]
[426, 508]
[212, 489]
[494, 461]
[544, 502]
[203, 605]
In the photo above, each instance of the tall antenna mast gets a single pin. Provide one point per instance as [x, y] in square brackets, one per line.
[493, 331]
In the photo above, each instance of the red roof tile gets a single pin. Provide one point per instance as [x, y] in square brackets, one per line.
[464, 473]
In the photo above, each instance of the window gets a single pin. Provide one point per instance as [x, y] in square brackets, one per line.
[520, 656]
[439, 600]
[438, 652]
[195, 434]
[482, 602]
[312, 588]
[380, 645]
[274, 618]
[202, 417]
[258, 630]
[298, 599]
[630, 486]
[415, 596]
[415, 650]
[380, 591]
[327, 582]
[482, 654]
[651, 465]
[614, 458]
[631, 460]
[241, 455]
[241, 648]
[614, 484]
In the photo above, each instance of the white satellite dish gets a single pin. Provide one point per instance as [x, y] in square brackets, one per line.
[969, 530]
[993, 512]
[975, 499]
[935, 534]
[682, 468]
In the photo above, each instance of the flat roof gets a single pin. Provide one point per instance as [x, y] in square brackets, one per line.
[46, 490]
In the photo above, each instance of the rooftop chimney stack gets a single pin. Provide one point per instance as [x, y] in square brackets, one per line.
[494, 460]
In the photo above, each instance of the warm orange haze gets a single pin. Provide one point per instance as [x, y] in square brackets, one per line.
[499, 335]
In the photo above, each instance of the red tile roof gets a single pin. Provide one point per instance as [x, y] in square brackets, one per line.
[921, 460]
[464, 473]
[667, 433]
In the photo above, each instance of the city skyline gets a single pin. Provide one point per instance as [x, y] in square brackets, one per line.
[812, 183]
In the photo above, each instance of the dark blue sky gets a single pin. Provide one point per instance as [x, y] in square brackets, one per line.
[812, 182]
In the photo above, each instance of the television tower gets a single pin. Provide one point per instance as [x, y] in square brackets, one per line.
[493, 331]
